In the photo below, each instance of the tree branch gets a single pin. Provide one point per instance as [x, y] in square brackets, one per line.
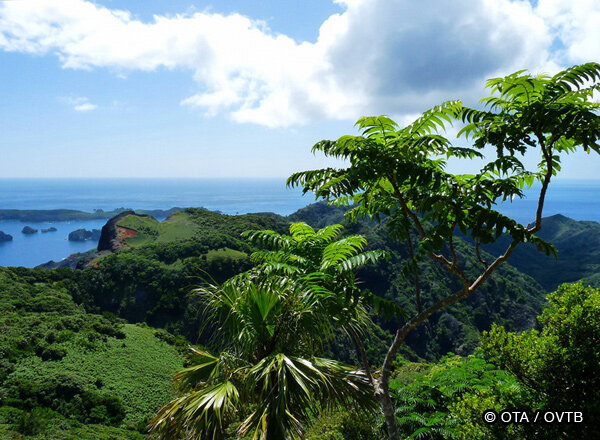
[405, 207]
[411, 252]
[492, 267]
[417, 222]
[547, 152]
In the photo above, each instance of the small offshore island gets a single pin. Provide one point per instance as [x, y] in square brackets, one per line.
[5, 237]
[84, 235]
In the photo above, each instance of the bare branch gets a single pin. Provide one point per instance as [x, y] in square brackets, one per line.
[492, 267]
[478, 253]
[403, 331]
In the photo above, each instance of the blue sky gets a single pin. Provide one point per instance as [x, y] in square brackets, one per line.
[117, 88]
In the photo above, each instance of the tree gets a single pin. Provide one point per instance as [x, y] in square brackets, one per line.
[399, 173]
[323, 263]
[559, 365]
[267, 372]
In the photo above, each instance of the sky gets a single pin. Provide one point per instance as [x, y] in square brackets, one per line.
[122, 88]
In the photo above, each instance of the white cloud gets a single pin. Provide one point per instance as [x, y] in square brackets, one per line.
[85, 107]
[79, 104]
[576, 24]
[378, 56]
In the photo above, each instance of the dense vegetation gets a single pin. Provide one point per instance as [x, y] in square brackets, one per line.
[150, 281]
[578, 245]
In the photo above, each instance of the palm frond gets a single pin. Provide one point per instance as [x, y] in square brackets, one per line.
[204, 412]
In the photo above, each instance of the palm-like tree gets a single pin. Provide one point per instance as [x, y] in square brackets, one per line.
[267, 373]
[325, 263]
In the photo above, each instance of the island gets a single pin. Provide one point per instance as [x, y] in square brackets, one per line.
[50, 229]
[28, 230]
[85, 235]
[5, 237]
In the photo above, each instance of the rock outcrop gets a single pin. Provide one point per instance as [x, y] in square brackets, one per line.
[50, 229]
[73, 261]
[29, 230]
[5, 237]
[113, 237]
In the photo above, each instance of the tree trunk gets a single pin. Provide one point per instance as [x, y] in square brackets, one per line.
[389, 412]
[382, 386]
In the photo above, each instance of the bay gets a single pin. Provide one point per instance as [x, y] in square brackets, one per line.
[230, 196]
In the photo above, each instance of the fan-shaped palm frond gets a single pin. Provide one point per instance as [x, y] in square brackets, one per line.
[271, 330]
[209, 400]
[291, 389]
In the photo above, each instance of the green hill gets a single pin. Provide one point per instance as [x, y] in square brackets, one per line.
[75, 365]
[149, 280]
[578, 244]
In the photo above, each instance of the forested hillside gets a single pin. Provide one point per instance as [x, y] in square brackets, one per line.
[578, 244]
[392, 325]
[149, 280]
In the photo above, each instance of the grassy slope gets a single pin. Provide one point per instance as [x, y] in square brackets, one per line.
[149, 230]
[53, 353]
[138, 369]
[197, 224]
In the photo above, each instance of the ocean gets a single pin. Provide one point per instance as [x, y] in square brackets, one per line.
[578, 199]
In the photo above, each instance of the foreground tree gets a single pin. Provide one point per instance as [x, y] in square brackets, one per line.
[267, 373]
[400, 173]
[323, 263]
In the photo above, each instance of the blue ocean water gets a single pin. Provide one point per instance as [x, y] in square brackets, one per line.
[229, 196]
[578, 199]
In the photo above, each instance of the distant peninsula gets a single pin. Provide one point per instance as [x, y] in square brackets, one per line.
[49, 215]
